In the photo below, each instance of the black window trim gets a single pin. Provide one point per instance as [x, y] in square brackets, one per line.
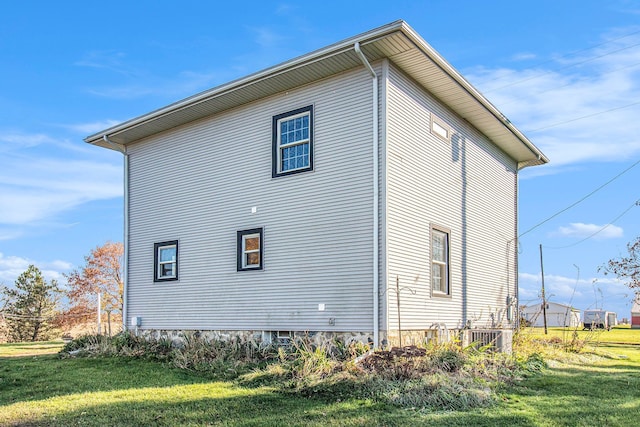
[157, 246]
[275, 146]
[239, 252]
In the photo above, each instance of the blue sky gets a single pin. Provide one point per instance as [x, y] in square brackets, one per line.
[567, 73]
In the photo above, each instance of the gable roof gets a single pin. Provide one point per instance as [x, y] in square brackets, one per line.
[396, 41]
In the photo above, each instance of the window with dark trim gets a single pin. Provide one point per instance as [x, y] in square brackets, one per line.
[250, 248]
[292, 142]
[440, 283]
[165, 261]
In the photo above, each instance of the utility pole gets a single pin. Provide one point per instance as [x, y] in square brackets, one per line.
[99, 315]
[544, 298]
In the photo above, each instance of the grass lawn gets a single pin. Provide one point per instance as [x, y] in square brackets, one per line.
[30, 348]
[37, 388]
[621, 334]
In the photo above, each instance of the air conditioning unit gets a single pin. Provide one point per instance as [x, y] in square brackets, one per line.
[493, 339]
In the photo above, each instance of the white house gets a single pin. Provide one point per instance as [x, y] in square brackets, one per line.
[301, 198]
[558, 315]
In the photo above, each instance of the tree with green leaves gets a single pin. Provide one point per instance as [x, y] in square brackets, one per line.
[30, 308]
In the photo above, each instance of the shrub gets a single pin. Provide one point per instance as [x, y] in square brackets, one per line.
[448, 358]
[439, 392]
[429, 378]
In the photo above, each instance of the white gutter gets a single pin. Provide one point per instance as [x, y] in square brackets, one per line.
[376, 198]
[251, 79]
[119, 132]
[125, 255]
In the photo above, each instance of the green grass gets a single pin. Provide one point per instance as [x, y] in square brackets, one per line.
[603, 391]
[44, 390]
[30, 348]
[621, 334]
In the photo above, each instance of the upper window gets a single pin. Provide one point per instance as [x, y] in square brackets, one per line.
[250, 249]
[440, 128]
[440, 284]
[166, 261]
[293, 142]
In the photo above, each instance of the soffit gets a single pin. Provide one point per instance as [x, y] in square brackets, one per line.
[396, 41]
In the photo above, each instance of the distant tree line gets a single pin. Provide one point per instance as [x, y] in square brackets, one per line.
[35, 309]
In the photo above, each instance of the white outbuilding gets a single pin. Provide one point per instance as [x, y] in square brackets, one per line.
[557, 315]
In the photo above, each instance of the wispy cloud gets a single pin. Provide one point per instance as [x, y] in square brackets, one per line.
[21, 142]
[38, 189]
[271, 44]
[137, 81]
[10, 234]
[581, 230]
[580, 293]
[576, 109]
[17, 140]
[107, 59]
[38, 186]
[12, 266]
[266, 37]
[88, 128]
[184, 84]
[523, 56]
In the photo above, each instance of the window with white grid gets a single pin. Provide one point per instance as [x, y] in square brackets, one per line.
[293, 142]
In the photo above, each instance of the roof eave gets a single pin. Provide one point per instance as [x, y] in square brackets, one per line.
[97, 138]
[539, 157]
[131, 130]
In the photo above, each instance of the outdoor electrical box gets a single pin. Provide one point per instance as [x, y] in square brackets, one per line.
[136, 321]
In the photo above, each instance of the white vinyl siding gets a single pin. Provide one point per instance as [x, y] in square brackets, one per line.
[317, 225]
[467, 184]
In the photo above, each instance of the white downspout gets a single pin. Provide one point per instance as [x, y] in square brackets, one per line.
[125, 255]
[376, 203]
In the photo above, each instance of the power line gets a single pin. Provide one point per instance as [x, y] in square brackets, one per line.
[636, 203]
[575, 52]
[615, 70]
[8, 315]
[581, 199]
[573, 65]
[561, 68]
[582, 117]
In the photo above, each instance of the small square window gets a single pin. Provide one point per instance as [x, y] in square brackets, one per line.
[440, 128]
[250, 247]
[165, 261]
[440, 283]
[292, 142]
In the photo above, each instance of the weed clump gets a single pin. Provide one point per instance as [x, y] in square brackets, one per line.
[433, 377]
